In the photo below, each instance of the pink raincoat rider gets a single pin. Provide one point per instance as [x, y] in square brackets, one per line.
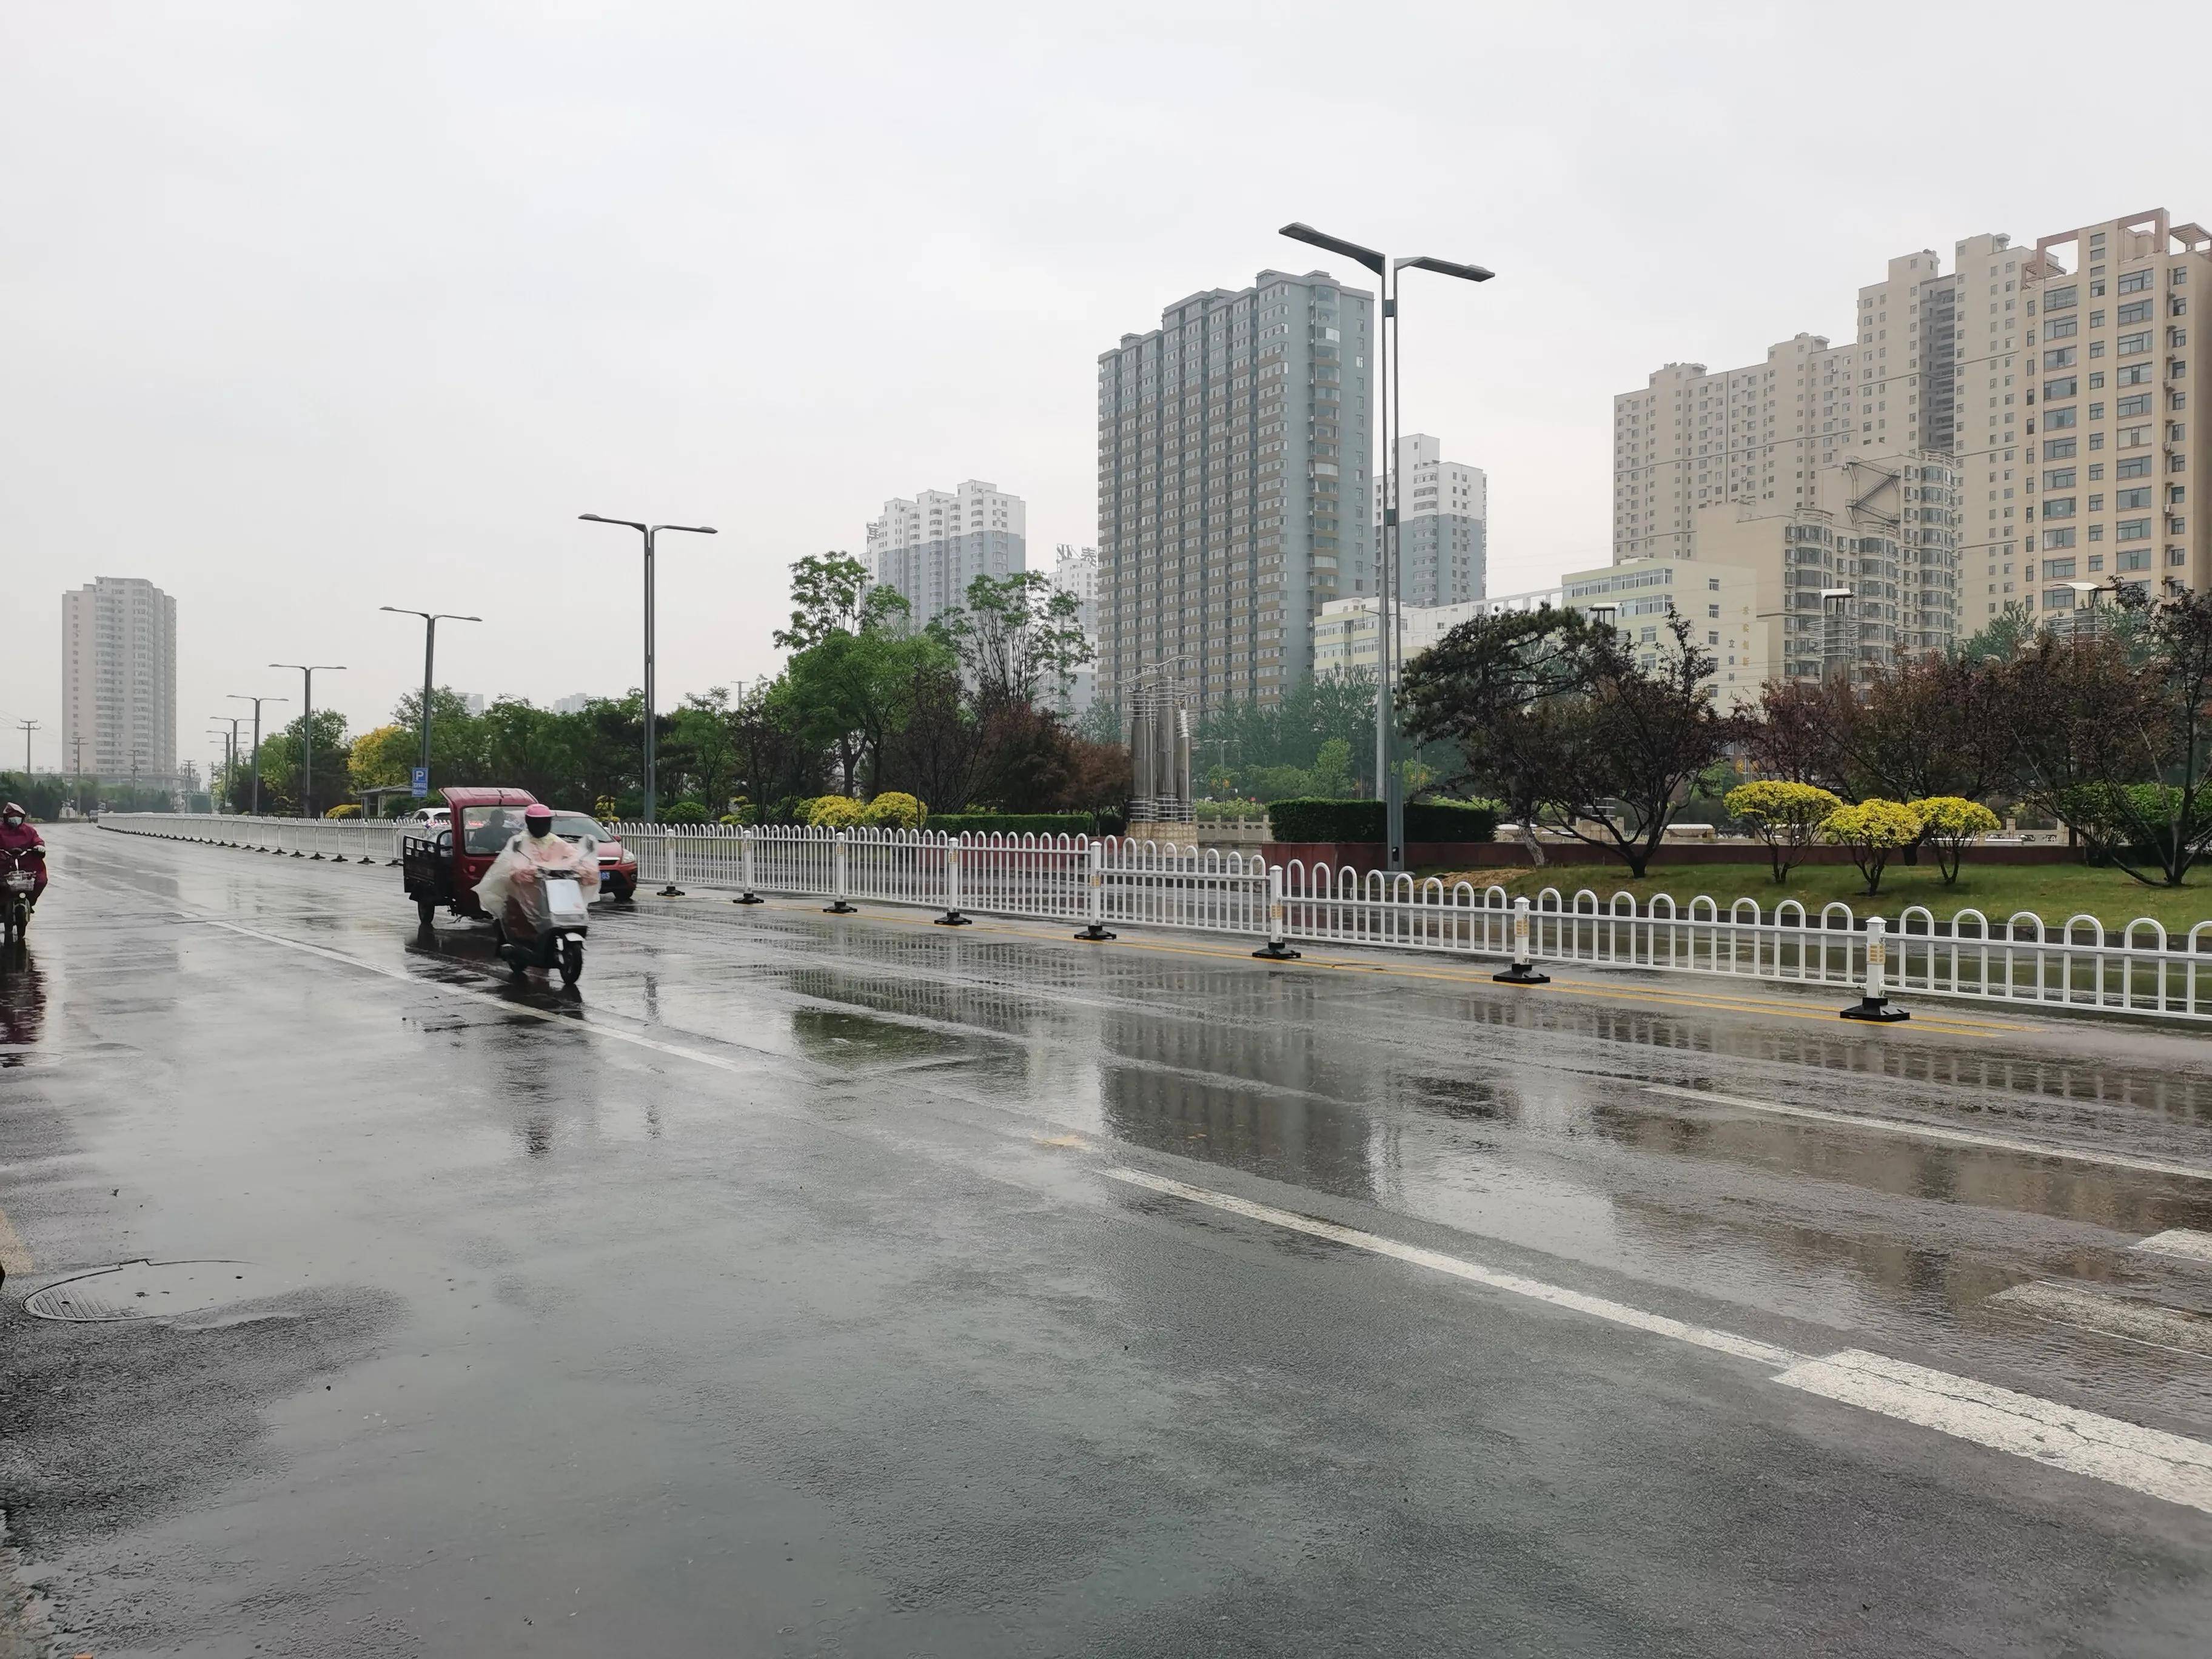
[16, 831]
[509, 887]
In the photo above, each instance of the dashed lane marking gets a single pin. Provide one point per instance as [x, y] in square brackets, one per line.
[2129, 1318]
[2182, 1242]
[2165, 1466]
[1936, 1132]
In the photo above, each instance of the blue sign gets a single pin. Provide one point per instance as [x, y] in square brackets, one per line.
[422, 781]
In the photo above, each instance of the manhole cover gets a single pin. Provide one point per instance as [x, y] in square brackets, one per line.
[146, 1290]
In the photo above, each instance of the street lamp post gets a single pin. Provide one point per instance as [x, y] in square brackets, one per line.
[308, 727]
[1387, 575]
[229, 757]
[240, 696]
[648, 531]
[430, 621]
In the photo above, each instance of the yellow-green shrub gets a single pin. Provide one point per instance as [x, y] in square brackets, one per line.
[1785, 816]
[894, 810]
[1872, 830]
[834, 812]
[1949, 824]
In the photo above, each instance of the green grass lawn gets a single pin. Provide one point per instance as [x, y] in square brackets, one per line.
[2054, 891]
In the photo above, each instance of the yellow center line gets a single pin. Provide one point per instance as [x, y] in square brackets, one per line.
[1948, 1025]
[15, 1255]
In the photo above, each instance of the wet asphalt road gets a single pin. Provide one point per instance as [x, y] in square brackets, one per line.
[788, 1291]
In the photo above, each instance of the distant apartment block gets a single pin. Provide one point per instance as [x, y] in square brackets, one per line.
[1233, 486]
[120, 679]
[1720, 601]
[1346, 636]
[931, 548]
[573, 704]
[2113, 444]
[1442, 533]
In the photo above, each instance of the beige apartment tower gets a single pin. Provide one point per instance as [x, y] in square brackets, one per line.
[2112, 452]
[119, 680]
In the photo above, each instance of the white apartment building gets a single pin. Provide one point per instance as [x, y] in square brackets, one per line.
[2112, 444]
[1344, 637]
[573, 704]
[930, 548]
[120, 679]
[1720, 601]
[1075, 573]
[1233, 487]
[1444, 532]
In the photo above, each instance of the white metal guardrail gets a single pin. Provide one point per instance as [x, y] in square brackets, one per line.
[2020, 959]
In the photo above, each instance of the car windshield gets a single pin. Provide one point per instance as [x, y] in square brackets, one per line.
[572, 825]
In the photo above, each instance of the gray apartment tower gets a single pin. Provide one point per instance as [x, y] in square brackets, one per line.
[930, 548]
[119, 680]
[1444, 534]
[1233, 482]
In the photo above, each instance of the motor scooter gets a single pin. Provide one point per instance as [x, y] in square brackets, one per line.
[552, 904]
[19, 876]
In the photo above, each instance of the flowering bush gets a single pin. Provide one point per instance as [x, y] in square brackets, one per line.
[1872, 830]
[894, 810]
[1949, 823]
[1785, 816]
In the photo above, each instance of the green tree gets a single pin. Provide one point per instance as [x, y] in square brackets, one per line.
[1949, 824]
[1874, 831]
[830, 594]
[1018, 639]
[1554, 715]
[330, 781]
[1786, 816]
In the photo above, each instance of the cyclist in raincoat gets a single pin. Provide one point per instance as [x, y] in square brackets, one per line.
[510, 887]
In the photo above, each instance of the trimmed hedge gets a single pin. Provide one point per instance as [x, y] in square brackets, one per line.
[1361, 820]
[1014, 823]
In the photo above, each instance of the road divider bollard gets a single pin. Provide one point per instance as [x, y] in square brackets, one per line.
[840, 877]
[668, 865]
[1874, 1001]
[1097, 931]
[953, 918]
[1523, 970]
[1278, 947]
[746, 843]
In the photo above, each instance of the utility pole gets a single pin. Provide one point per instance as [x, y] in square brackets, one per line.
[28, 727]
[77, 743]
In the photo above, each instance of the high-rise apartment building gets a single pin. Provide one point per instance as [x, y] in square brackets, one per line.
[1233, 486]
[929, 549]
[1442, 533]
[1346, 638]
[2112, 445]
[120, 679]
[1075, 573]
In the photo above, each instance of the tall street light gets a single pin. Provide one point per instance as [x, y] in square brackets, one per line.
[1387, 573]
[648, 531]
[308, 727]
[229, 757]
[240, 696]
[430, 621]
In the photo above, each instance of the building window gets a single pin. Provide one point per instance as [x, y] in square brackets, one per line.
[2132, 530]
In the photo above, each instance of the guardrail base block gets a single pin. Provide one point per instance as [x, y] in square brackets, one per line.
[1276, 953]
[1877, 1009]
[672, 891]
[954, 918]
[1094, 934]
[749, 898]
[839, 908]
[1521, 973]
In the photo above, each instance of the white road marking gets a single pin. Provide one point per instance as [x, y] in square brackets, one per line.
[2178, 1241]
[2148, 1461]
[2168, 1466]
[569, 1022]
[1617, 1313]
[2128, 1317]
[15, 1255]
[1934, 1132]
[2161, 1465]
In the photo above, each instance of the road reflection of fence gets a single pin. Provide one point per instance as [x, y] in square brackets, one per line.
[2020, 959]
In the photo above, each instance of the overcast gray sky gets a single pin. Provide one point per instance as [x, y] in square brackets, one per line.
[311, 308]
